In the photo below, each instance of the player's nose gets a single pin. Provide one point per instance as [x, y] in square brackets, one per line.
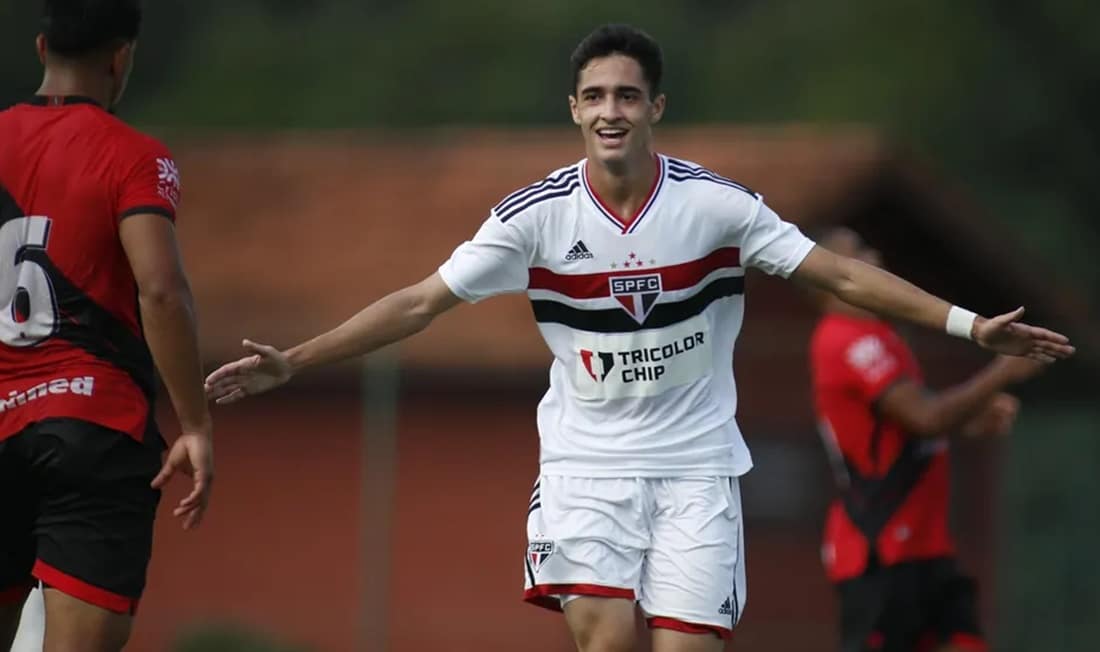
[611, 110]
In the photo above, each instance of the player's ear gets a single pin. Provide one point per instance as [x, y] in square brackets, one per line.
[122, 62]
[40, 47]
[573, 110]
[122, 59]
[658, 109]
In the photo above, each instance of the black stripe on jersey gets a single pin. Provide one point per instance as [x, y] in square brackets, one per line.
[9, 210]
[573, 182]
[872, 501]
[538, 186]
[87, 325]
[616, 320]
[679, 171]
[147, 210]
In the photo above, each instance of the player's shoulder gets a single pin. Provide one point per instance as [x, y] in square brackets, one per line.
[700, 180]
[14, 118]
[130, 140]
[558, 184]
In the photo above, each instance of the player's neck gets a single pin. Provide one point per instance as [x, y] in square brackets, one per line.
[625, 186]
[64, 81]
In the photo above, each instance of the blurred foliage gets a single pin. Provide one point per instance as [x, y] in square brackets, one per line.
[228, 638]
[1001, 94]
[1050, 530]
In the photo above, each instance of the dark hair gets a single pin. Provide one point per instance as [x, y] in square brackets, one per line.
[77, 27]
[625, 40]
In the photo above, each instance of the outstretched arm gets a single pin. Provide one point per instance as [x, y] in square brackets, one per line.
[390, 319]
[881, 292]
[958, 410]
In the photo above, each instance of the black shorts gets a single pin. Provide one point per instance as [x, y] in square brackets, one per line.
[76, 511]
[909, 607]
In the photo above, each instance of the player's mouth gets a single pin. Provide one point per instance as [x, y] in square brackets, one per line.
[611, 136]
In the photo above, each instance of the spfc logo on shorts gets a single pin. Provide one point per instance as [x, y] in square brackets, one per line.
[637, 294]
[538, 552]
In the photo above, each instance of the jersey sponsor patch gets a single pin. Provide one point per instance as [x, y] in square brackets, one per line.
[644, 363]
[869, 357]
[168, 181]
[81, 386]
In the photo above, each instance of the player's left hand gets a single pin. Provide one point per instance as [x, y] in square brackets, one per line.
[1006, 334]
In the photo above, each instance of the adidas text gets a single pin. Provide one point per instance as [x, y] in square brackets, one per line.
[579, 252]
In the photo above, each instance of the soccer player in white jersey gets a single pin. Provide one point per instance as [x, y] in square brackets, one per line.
[634, 263]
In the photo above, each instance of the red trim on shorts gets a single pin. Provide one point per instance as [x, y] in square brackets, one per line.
[658, 622]
[16, 594]
[81, 590]
[969, 642]
[546, 595]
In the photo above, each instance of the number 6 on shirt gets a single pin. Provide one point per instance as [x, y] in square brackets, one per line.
[28, 307]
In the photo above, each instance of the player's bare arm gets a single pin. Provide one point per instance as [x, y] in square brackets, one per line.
[955, 410]
[168, 319]
[881, 292]
[390, 319]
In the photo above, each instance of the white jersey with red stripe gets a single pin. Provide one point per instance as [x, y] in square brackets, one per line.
[641, 314]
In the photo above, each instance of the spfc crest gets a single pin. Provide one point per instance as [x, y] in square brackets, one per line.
[637, 293]
[538, 552]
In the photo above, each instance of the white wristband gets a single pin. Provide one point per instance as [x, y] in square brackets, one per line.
[960, 322]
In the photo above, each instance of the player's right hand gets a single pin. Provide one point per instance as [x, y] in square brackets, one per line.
[1008, 335]
[265, 369]
[191, 454]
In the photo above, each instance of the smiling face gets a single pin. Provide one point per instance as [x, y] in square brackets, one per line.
[615, 108]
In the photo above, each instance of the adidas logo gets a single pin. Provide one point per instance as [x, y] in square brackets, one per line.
[726, 609]
[579, 252]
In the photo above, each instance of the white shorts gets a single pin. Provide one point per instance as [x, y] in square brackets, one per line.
[675, 545]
